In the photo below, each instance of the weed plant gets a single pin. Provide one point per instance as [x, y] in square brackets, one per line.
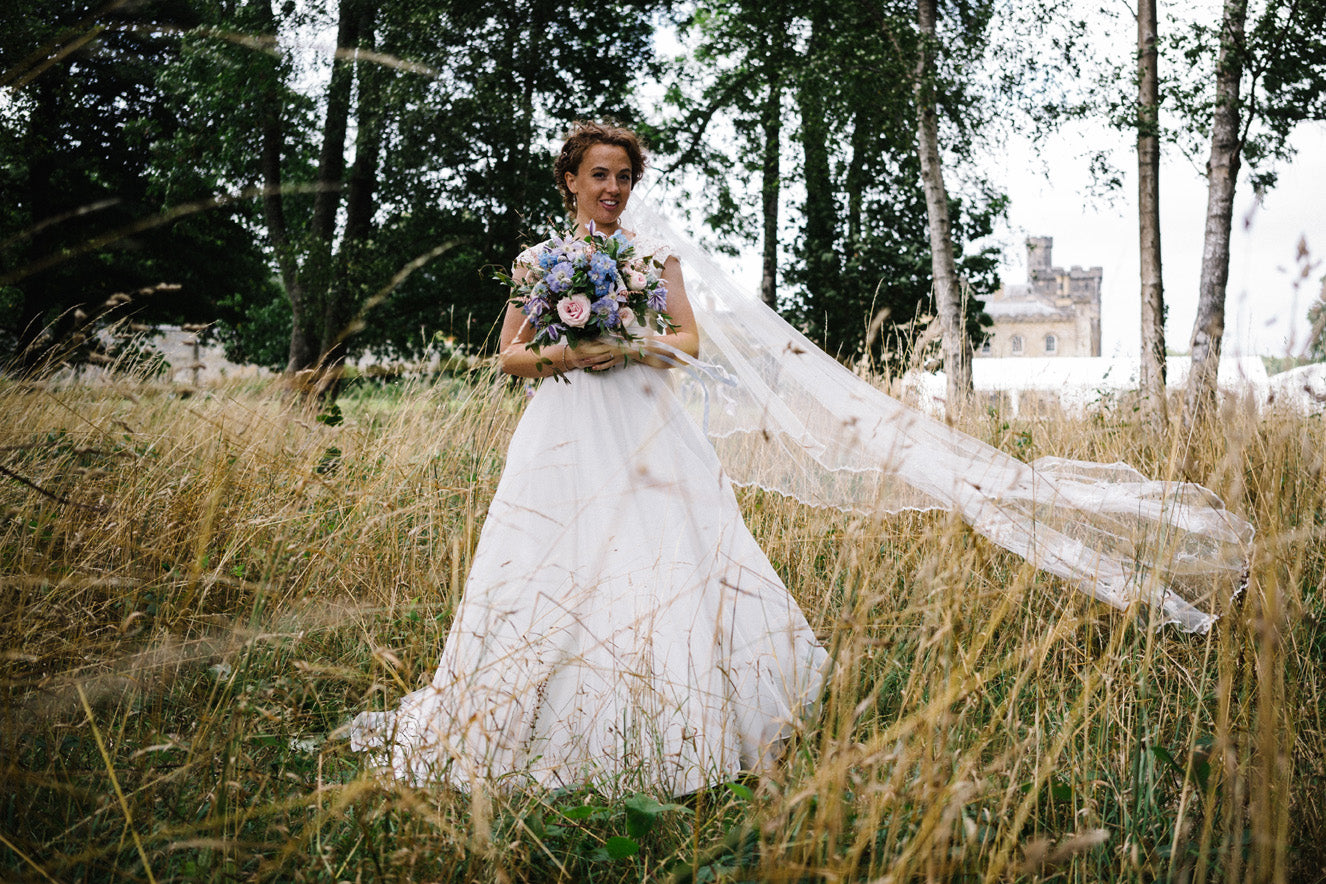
[199, 592]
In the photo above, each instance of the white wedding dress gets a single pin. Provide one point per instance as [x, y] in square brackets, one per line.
[620, 628]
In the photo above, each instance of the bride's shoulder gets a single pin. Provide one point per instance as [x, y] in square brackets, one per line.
[530, 256]
[652, 247]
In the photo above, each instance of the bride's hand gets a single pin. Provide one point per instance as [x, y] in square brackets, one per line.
[596, 355]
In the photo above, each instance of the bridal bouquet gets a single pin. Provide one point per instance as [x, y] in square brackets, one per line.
[589, 287]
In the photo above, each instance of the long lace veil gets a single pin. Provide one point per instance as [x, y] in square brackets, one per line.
[787, 417]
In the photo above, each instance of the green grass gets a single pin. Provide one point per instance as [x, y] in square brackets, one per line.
[199, 593]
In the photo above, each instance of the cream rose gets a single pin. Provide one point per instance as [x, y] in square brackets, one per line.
[574, 311]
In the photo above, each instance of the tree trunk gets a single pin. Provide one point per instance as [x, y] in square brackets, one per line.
[948, 303]
[306, 343]
[41, 202]
[360, 205]
[271, 136]
[769, 189]
[1222, 171]
[1152, 378]
[820, 232]
[864, 133]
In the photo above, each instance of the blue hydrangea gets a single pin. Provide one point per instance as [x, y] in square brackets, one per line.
[559, 278]
[602, 270]
[607, 309]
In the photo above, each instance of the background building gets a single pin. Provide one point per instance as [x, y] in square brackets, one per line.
[1055, 313]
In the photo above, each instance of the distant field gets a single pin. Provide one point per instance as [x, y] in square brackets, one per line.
[199, 592]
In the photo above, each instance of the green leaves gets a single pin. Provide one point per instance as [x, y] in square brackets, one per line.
[643, 812]
[615, 848]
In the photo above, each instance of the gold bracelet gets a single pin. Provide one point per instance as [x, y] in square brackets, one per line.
[565, 367]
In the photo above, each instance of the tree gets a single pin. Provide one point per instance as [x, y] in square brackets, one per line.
[956, 345]
[98, 206]
[1222, 171]
[855, 274]
[741, 74]
[1316, 348]
[1274, 76]
[453, 105]
[1152, 374]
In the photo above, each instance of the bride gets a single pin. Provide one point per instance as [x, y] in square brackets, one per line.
[620, 628]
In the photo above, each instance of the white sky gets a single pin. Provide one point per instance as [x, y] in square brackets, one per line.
[1265, 313]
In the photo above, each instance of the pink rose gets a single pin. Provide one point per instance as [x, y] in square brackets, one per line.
[627, 316]
[574, 311]
[636, 281]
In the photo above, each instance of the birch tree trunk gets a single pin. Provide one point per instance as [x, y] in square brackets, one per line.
[1222, 171]
[1148, 217]
[769, 188]
[956, 347]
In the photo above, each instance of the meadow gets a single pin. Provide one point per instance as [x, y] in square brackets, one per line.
[200, 588]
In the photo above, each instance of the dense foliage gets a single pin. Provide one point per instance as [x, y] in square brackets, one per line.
[101, 185]
[830, 87]
[336, 203]
[374, 188]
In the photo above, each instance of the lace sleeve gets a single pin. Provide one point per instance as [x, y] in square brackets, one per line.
[654, 247]
[529, 257]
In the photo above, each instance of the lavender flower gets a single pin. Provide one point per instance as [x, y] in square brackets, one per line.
[536, 307]
[658, 298]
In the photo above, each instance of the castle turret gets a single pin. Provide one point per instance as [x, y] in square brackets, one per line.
[1039, 261]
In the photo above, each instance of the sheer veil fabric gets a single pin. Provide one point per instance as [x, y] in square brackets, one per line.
[787, 417]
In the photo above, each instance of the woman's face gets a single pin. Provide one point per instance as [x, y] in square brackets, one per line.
[601, 185]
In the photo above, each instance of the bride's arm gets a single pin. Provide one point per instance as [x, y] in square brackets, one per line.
[686, 334]
[515, 358]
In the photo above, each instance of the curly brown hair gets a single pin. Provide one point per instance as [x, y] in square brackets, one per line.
[584, 135]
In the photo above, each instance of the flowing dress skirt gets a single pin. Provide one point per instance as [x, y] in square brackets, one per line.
[620, 628]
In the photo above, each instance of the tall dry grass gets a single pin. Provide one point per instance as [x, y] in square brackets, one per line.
[198, 593]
